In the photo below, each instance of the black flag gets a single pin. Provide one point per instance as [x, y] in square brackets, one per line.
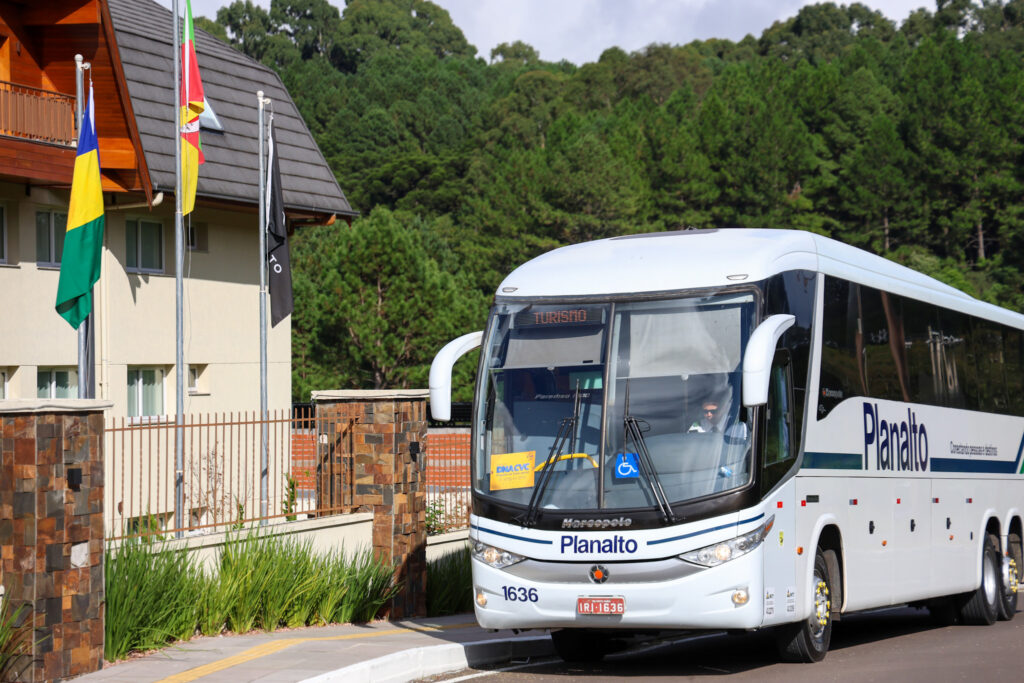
[278, 263]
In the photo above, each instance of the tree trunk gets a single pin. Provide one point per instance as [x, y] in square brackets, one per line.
[885, 228]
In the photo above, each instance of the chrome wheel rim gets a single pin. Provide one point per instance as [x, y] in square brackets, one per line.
[1011, 582]
[822, 609]
[988, 581]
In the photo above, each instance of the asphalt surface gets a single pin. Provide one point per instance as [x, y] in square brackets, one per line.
[894, 645]
[900, 644]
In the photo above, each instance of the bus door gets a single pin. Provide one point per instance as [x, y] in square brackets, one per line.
[778, 457]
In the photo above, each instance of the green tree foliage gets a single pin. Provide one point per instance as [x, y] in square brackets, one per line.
[376, 304]
[901, 139]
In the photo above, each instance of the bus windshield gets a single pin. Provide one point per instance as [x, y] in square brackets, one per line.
[562, 385]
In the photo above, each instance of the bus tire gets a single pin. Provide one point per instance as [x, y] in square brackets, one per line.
[578, 645]
[1009, 578]
[808, 640]
[982, 606]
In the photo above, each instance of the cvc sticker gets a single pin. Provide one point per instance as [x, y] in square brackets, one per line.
[512, 470]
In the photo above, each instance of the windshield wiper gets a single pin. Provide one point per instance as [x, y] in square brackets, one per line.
[633, 431]
[566, 432]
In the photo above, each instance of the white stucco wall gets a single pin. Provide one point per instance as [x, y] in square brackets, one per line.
[135, 313]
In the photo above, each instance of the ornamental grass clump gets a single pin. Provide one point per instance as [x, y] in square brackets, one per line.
[156, 594]
[450, 584]
[152, 595]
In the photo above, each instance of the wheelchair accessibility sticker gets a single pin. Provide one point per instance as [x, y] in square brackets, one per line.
[626, 466]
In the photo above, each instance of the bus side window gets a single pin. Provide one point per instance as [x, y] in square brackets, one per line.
[778, 456]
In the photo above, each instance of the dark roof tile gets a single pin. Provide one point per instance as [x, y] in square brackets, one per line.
[230, 81]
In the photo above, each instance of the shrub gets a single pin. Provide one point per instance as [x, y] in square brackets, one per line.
[156, 594]
[153, 595]
[450, 584]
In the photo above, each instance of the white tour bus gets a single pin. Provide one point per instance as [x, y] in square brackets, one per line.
[739, 429]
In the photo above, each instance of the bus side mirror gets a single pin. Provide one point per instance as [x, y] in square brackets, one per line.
[757, 359]
[441, 373]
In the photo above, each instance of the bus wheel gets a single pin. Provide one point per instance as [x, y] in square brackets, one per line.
[1009, 578]
[578, 645]
[808, 640]
[982, 607]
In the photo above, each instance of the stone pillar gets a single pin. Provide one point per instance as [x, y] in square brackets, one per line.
[382, 435]
[51, 529]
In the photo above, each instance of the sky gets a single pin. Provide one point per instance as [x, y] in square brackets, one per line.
[580, 30]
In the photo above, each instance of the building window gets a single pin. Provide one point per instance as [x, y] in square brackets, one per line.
[50, 229]
[3, 234]
[57, 383]
[3, 384]
[196, 381]
[145, 392]
[144, 246]
[196, 237]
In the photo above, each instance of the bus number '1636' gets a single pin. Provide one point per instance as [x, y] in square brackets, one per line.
[519, 594]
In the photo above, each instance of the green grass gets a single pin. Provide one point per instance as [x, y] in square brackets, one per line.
[450, 584]
[156, 595]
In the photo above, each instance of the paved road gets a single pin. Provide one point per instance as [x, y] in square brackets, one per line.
[900, 645]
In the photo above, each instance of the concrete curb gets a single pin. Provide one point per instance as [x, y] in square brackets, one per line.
[421, 662]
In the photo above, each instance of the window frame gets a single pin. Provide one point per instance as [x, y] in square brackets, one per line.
[135, 224]
[139, 398]
[3, 384]
[194, 379]
[54, 259]
[52, 371]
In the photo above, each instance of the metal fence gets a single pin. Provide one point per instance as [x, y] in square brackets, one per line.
[447, 480]
[308, 474]
[35, 114]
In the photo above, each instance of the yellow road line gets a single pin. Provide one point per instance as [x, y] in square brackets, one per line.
[273, 646]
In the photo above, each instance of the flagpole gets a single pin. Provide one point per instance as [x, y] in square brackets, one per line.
[264, 508]
[179, 264]
[83, 391]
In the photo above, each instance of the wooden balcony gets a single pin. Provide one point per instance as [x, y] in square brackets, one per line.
[38, 115]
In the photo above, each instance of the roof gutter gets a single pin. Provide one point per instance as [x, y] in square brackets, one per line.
[136, 205]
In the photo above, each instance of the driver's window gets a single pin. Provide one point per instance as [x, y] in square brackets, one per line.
[778, 448]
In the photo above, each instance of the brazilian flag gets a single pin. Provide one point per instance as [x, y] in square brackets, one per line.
[83, 243]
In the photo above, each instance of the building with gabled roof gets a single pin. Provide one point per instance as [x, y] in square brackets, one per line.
[130, 47]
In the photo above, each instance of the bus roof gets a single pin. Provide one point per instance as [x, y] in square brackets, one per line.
[696, 259]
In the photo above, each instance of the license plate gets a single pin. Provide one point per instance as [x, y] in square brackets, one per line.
[601, 606]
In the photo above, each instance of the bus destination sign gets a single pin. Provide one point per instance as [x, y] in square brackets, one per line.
[542, 316]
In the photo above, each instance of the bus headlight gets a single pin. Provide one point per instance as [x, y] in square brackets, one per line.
[714, 555]
[495, 557]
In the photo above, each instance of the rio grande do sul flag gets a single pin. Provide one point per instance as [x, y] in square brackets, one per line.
[83, 243]
[191, 101]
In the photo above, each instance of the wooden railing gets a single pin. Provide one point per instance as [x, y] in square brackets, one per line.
[35, 114]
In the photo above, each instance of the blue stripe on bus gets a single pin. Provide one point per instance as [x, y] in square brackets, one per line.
[833, 461]
[518, 538]
[705, 531]
[986, 466]
[853, 461]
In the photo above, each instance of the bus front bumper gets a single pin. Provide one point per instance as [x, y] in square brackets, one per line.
[711, 598]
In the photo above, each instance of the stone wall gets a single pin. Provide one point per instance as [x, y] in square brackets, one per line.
[379, 437]
[51, 529]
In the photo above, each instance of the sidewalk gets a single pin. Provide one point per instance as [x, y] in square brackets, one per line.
[380, 651]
